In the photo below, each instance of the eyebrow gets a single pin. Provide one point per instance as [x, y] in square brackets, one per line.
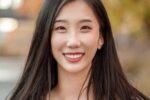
[85, 20]
[65, 21]
[61, 20]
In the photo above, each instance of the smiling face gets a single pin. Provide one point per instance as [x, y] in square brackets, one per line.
[75, 37]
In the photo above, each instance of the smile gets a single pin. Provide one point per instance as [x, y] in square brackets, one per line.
[73, 57]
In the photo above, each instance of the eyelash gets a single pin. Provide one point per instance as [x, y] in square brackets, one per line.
[63, 29]
[86, 27]
[60, 28]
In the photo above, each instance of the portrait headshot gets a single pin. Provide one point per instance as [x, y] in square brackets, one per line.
[73, 56]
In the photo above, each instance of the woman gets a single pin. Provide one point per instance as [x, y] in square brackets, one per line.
[73, 56]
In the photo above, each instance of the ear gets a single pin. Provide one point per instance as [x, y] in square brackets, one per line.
[100, 42]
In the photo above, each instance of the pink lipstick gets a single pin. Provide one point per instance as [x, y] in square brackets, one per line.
[73, 57]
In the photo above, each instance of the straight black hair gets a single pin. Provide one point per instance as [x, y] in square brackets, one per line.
[40, 73]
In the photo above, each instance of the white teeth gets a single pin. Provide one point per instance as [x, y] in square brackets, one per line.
[74, 56]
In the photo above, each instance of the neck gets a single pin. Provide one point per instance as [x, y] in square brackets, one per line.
[71, 85]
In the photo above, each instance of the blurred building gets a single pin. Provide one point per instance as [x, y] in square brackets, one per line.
[17, 21]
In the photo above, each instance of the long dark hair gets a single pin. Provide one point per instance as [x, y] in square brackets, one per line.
[40, 73]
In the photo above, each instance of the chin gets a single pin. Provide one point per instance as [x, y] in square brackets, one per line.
[75, 68]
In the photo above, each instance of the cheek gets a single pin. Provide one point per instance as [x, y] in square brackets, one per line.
[91, 40]
[91, 44]
[57, 42]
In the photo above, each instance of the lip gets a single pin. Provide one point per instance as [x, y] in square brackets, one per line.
[73, 57]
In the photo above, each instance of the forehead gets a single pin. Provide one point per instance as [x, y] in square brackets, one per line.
[76, 10]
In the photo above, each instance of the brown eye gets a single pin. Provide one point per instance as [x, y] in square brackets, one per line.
[85, 28]
[60, 29]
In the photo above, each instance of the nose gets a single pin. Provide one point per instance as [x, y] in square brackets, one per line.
[73, 41]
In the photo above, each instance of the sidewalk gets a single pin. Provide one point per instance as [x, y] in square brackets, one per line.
[10, 71]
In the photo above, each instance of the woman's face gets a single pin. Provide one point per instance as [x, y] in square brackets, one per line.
[75, 37]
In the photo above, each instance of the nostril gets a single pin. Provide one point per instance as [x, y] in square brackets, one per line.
[73, 43]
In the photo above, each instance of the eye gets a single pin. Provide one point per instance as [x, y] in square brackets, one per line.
[85, 28]
[60, 29]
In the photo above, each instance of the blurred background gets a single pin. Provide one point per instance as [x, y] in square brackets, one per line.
[130, 20]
